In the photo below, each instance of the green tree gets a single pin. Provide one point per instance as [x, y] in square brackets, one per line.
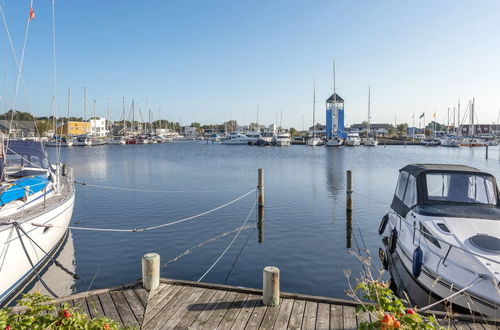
[402, 129]
[231, 125]
[43, 126]
[293, 131]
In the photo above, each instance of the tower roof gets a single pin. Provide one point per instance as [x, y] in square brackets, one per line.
[334, 96]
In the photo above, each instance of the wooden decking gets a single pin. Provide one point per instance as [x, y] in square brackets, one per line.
[190, 305]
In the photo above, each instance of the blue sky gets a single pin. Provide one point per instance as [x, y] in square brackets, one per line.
[210, 61]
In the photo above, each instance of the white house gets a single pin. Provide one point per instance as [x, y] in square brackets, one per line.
[98, 127]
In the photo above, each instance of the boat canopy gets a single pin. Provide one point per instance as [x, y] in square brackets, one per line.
[22, 154]
[446, 190]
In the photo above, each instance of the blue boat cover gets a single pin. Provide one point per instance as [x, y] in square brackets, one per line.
[20, 186]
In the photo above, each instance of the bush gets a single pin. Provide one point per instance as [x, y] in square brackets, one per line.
[40, 314]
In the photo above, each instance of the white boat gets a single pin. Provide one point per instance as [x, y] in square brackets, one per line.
[335, 141]
[442, 233]
[253, 136]
[117, 140]
[282, 139]
[63, 142]
[236, 139]
[450, 141]
[370, 142]
[33, 192]
[352, 140]
[82, 141]
[430, 142]
[314, 141]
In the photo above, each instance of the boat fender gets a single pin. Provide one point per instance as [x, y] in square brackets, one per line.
[393, 240]
[383, 224]
[417, 262]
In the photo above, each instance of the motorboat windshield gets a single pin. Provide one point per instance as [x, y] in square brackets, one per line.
[464, 188]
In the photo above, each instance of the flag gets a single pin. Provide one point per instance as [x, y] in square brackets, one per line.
[434, 116]
[32, 14]
[422, 115]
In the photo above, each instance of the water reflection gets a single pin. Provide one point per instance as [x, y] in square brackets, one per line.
[260, 225]
[335, 171]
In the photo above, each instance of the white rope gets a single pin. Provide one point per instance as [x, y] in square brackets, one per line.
[145, 190]
[477, 280]
[231, 243]
[152, 227]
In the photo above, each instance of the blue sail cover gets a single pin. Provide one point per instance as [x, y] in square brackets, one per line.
[23, 187]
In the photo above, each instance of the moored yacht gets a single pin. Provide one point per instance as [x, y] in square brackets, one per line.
[442, 233]
[253, 137]
[33, 193]
[236, 139]
[335, 141]
[353, 139]
[282, 139]
[450, 141]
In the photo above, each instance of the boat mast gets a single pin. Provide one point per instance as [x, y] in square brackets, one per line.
[368, 124]
[472, 117]
[67, 119]
[459, 133]
[85, 107]
[124, 116]
[108, 121]
[314, 107]
[95, 128]
[334, 110]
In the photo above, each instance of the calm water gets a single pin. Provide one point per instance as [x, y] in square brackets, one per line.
[304, 232]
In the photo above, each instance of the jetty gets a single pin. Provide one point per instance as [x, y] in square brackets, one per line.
[178, 304]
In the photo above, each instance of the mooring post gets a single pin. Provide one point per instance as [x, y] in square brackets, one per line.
[150, 271]
[260, 188]
[349, 190]
[486, 151]
[271, 286]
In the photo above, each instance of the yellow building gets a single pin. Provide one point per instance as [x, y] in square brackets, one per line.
[75, 128]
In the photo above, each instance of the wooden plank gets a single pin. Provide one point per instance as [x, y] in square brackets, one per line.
[222, 308]
[195, 309]
[336, 317]
[310, 313]
[162, 310]
[323, 317]
[349, 318]
[159, 295]
[245, 312]
[257, 315]
[124, 310]
[233, 311]
[109, 307]
[143, 295]
[95, 307]
[207, 311]
[284, 314]
[270, 317]
[151, 312]
[81, 305]
[134, 303]
[297, 315]
[362, 317]
[182, 309]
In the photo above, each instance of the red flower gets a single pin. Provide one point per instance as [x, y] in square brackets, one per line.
[410, 311]
[106, 326]
[66, 313]
[7, 328]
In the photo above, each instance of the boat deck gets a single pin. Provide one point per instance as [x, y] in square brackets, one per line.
[179, 304]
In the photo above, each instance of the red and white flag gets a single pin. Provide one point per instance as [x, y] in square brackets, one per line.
[32, 14]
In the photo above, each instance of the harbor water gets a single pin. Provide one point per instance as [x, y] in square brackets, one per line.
[304, 230]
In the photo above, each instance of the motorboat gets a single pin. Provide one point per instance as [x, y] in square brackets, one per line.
[335, 141]
[36, 206]
[117, 140]
[314, 141]
[82, 141]
[450, 141]
[370, 142]
[253, 136]
[59, 142]
[430, 142]
[282, 139]
[236, 139]
[473, 142]
[442, 233]
[352, 140]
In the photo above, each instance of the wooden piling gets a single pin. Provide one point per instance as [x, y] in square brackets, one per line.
[150, 271]
[349, 190]
[260, 188]
[271, 286]
[260, 224]
[486, 151]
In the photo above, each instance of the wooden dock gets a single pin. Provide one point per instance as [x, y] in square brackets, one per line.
[179, 304]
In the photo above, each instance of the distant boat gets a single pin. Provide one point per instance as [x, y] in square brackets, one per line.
[353, 139]
[430, 142]
[450, 141]
[282, 139]
[59, 142]
[335, 141]
[314, 140]
[236, 139]
[370, 141]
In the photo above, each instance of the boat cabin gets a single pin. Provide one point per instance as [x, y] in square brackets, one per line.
[446, 191]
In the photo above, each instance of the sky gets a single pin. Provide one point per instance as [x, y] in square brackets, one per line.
[212, 61]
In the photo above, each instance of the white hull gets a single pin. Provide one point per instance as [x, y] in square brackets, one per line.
[314, 142]
[352, 143]
[58, 144]
[16, 270]
[371, 143]
[335, 143]
[284, 142]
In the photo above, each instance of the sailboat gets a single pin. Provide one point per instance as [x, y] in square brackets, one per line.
[36, 206]
[370, 141]
[314, 140]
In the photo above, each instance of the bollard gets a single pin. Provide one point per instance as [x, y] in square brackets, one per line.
[260, 187]
[486, 151]
[271, 286]
[150, 271]
[349, 190]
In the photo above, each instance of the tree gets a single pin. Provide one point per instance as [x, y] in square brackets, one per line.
[43, 126]
[254, 127]
[428, 131]
[231, 125]
[402, 129]
[293, 131]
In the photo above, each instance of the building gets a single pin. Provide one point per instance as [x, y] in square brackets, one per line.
[414, 131]
[189, 132]
[19, 129]
[75, 128]
[335, 117]
[480, 129]
[320, 130]
[98, 127]
[379, 129]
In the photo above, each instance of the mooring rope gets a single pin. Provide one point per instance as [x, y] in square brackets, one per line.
[133, 230]
[145, 190]
[231, 243]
